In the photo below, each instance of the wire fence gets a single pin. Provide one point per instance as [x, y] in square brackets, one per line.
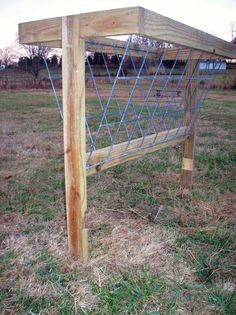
[139, 97]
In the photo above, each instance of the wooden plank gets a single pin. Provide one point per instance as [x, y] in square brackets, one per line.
[131, 152]
[110, 22]
[154, 52]
[134, 20]
[41, 31]
[136, 50]
[161, 27]
[139, 50]
[95, 24]
[52, 44]
[73, 71]
[118, 47]
[189, 144]
[184, 54]
[133, 156]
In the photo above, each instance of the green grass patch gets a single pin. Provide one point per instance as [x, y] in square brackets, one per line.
[6, 260]
[201, 220]
[131, 294]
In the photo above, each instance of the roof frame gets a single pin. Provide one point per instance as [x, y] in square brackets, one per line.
[133, 20]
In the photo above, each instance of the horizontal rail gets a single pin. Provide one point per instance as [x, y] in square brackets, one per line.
[161, 27]
[134, 20]
[117, 47]
[127, 151]
[114, 46]
[95, 24]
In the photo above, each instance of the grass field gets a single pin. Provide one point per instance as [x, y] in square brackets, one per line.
[155, 249]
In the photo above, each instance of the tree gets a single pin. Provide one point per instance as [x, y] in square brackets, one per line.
[54, 61]
[100, 58]
[7, 56]
[34, 58]
[23, 63]
[60, 62]
[89, 60]
[115, 60]
[139, 40]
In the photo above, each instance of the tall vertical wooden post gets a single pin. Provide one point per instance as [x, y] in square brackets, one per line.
[73, 71]
[189, 143]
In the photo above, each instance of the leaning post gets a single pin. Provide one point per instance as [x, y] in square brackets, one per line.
[186, 177]
[73, 72]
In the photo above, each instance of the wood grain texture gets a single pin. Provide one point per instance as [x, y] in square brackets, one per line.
[115, 46]
[95, 24]
[160, 27]
[139, 50]
[73, 73]
[41, 31]
[110, 22]
[186, 177]
[130, 153]
[134, 20]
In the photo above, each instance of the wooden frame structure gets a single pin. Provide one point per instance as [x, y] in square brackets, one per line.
[70, 33]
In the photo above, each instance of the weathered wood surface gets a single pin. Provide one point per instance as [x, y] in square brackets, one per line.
[150, 144]
[163, 28]
[134, 20]
[73, 72]
[135, 50]
[94, 24]
[115, 46]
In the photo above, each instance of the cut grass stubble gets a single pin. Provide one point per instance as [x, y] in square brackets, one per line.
[155, 249]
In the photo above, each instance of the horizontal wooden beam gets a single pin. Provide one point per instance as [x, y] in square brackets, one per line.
[95, 24]
[134, 20]
[126, 151]
[41, 31]
[114, 46]
[161, 27]
[106, 44]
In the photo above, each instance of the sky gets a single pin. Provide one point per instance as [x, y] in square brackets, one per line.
[212, 16]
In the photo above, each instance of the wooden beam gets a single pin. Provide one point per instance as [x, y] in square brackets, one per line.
[132, 149]
[138, 50]
[189, 144]
[165, 29]
[95, 24]
[73, 71]
[134, 20]
[107, 45]
[110, 22]
[41, 31]
[184, 54]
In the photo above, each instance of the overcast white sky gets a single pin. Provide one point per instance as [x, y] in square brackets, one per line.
[213, 16]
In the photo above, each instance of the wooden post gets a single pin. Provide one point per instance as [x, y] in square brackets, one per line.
[73, 71]
[189, 143]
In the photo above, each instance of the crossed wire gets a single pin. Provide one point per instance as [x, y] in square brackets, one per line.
[148, 112]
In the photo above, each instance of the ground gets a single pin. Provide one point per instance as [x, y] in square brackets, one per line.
[155, 249]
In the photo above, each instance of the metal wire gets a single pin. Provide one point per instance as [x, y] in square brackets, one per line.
[53, 88]
[137, 104]
[126, 101]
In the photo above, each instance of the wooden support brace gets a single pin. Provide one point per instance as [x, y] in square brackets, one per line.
[130, 150]
[189, 143]
[73, 72]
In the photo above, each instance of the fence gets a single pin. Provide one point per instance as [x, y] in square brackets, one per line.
[149, 100]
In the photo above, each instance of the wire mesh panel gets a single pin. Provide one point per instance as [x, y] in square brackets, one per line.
[141, 94]
[136, 97]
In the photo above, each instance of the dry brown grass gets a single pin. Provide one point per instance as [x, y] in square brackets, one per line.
[122, 238]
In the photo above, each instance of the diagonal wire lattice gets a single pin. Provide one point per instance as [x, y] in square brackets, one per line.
[139, 96]
[140, 99]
